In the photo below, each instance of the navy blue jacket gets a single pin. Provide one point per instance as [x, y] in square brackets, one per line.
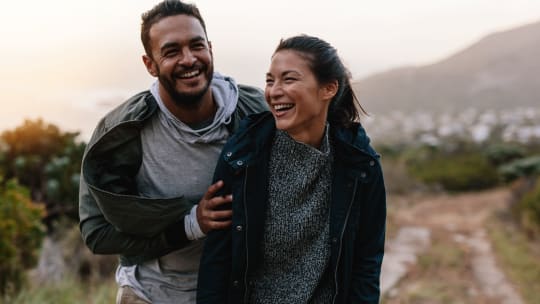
[357, 215]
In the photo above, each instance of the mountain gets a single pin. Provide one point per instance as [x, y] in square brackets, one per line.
[500, 71]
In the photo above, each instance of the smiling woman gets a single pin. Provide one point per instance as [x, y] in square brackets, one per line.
[309, 203]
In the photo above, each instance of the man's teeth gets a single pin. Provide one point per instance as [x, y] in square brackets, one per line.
[190, 74]
[281, 107]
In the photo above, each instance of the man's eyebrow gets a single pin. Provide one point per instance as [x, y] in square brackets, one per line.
[169, 45]
[197, 39]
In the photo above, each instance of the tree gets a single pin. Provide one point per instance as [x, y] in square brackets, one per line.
[45, 160]
[21, 233]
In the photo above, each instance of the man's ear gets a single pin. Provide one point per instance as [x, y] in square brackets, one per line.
[329, 90]
[150, 65]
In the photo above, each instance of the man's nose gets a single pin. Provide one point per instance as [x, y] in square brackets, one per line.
[187, 58]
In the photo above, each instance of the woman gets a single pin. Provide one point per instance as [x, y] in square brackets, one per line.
[308, 193]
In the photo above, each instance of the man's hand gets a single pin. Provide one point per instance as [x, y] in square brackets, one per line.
[207, 216]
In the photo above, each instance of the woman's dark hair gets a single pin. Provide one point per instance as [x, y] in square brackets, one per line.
[327, 67]
[162, 10]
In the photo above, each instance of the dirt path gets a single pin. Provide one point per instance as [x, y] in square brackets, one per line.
[458, 262]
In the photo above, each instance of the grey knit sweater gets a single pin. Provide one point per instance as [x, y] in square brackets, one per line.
[296, 248]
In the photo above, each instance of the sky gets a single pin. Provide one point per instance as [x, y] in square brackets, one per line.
[70, 61]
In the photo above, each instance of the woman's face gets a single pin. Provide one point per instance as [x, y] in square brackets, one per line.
[297, 101]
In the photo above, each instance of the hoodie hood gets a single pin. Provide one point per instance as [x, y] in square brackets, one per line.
[225, 94]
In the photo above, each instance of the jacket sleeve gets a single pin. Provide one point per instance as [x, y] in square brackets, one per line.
[216, 261]
[365, 285]
[102, 237]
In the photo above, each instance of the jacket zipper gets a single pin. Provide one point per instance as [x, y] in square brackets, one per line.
[341, 240]
[246, 240]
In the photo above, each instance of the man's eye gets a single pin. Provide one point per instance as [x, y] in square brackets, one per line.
[169, 54]
[199, 46]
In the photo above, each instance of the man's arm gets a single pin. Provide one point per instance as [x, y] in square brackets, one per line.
[102, 237]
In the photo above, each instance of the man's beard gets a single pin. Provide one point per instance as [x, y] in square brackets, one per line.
[190, 100]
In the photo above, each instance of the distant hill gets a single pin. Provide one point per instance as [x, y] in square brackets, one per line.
[500, 71]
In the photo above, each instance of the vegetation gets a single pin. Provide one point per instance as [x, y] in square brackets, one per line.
[528, 166]
[21, 233]
[500, 154]
[527, 208]
[47, 161]
[39, 177]
[457, 164]
[461, 172]
[438, 276]
[68, 291]
[517, 255]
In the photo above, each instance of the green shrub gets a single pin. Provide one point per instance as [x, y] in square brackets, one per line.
[21, 233]
[529, 166]
[499, 154]
[459, 172]
[47, 161]
[529, 210]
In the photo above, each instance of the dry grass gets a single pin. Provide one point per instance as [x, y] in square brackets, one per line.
[68, 291]
[442, 275]
[517, 255]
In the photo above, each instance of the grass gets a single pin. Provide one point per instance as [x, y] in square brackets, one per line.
[66, 292]
[438, 277]
[442, 255]
[517, 255]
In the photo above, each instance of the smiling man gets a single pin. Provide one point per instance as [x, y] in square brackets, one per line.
[145, 190]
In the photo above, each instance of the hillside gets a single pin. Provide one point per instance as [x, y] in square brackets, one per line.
[500, 71]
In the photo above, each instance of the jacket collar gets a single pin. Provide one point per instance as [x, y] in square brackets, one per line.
[255, 134]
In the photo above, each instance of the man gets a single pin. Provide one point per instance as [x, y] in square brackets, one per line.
[144, 189]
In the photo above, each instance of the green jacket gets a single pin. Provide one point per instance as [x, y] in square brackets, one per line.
[113, 219]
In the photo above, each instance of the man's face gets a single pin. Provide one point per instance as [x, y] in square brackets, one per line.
[181, 59]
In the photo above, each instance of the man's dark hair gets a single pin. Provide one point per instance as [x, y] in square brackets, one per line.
[162, 10]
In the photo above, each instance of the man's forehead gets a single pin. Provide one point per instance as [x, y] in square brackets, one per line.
[177, 27]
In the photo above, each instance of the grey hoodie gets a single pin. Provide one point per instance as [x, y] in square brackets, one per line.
[178, 161]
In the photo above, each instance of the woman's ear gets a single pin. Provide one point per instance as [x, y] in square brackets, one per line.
[329, 90]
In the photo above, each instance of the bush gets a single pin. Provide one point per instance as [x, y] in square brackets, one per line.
[47, 161]
[499, 154]
[529, 210]
[21, 233]
[524, 167]
[455, 172]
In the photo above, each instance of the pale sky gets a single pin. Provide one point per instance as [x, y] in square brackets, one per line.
[61, 58]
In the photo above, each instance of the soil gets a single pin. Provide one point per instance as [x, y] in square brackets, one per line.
[438, 250]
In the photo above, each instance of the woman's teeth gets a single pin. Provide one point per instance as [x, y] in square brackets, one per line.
[283, 107]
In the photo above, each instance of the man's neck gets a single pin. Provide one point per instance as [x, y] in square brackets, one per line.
[203, 111]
